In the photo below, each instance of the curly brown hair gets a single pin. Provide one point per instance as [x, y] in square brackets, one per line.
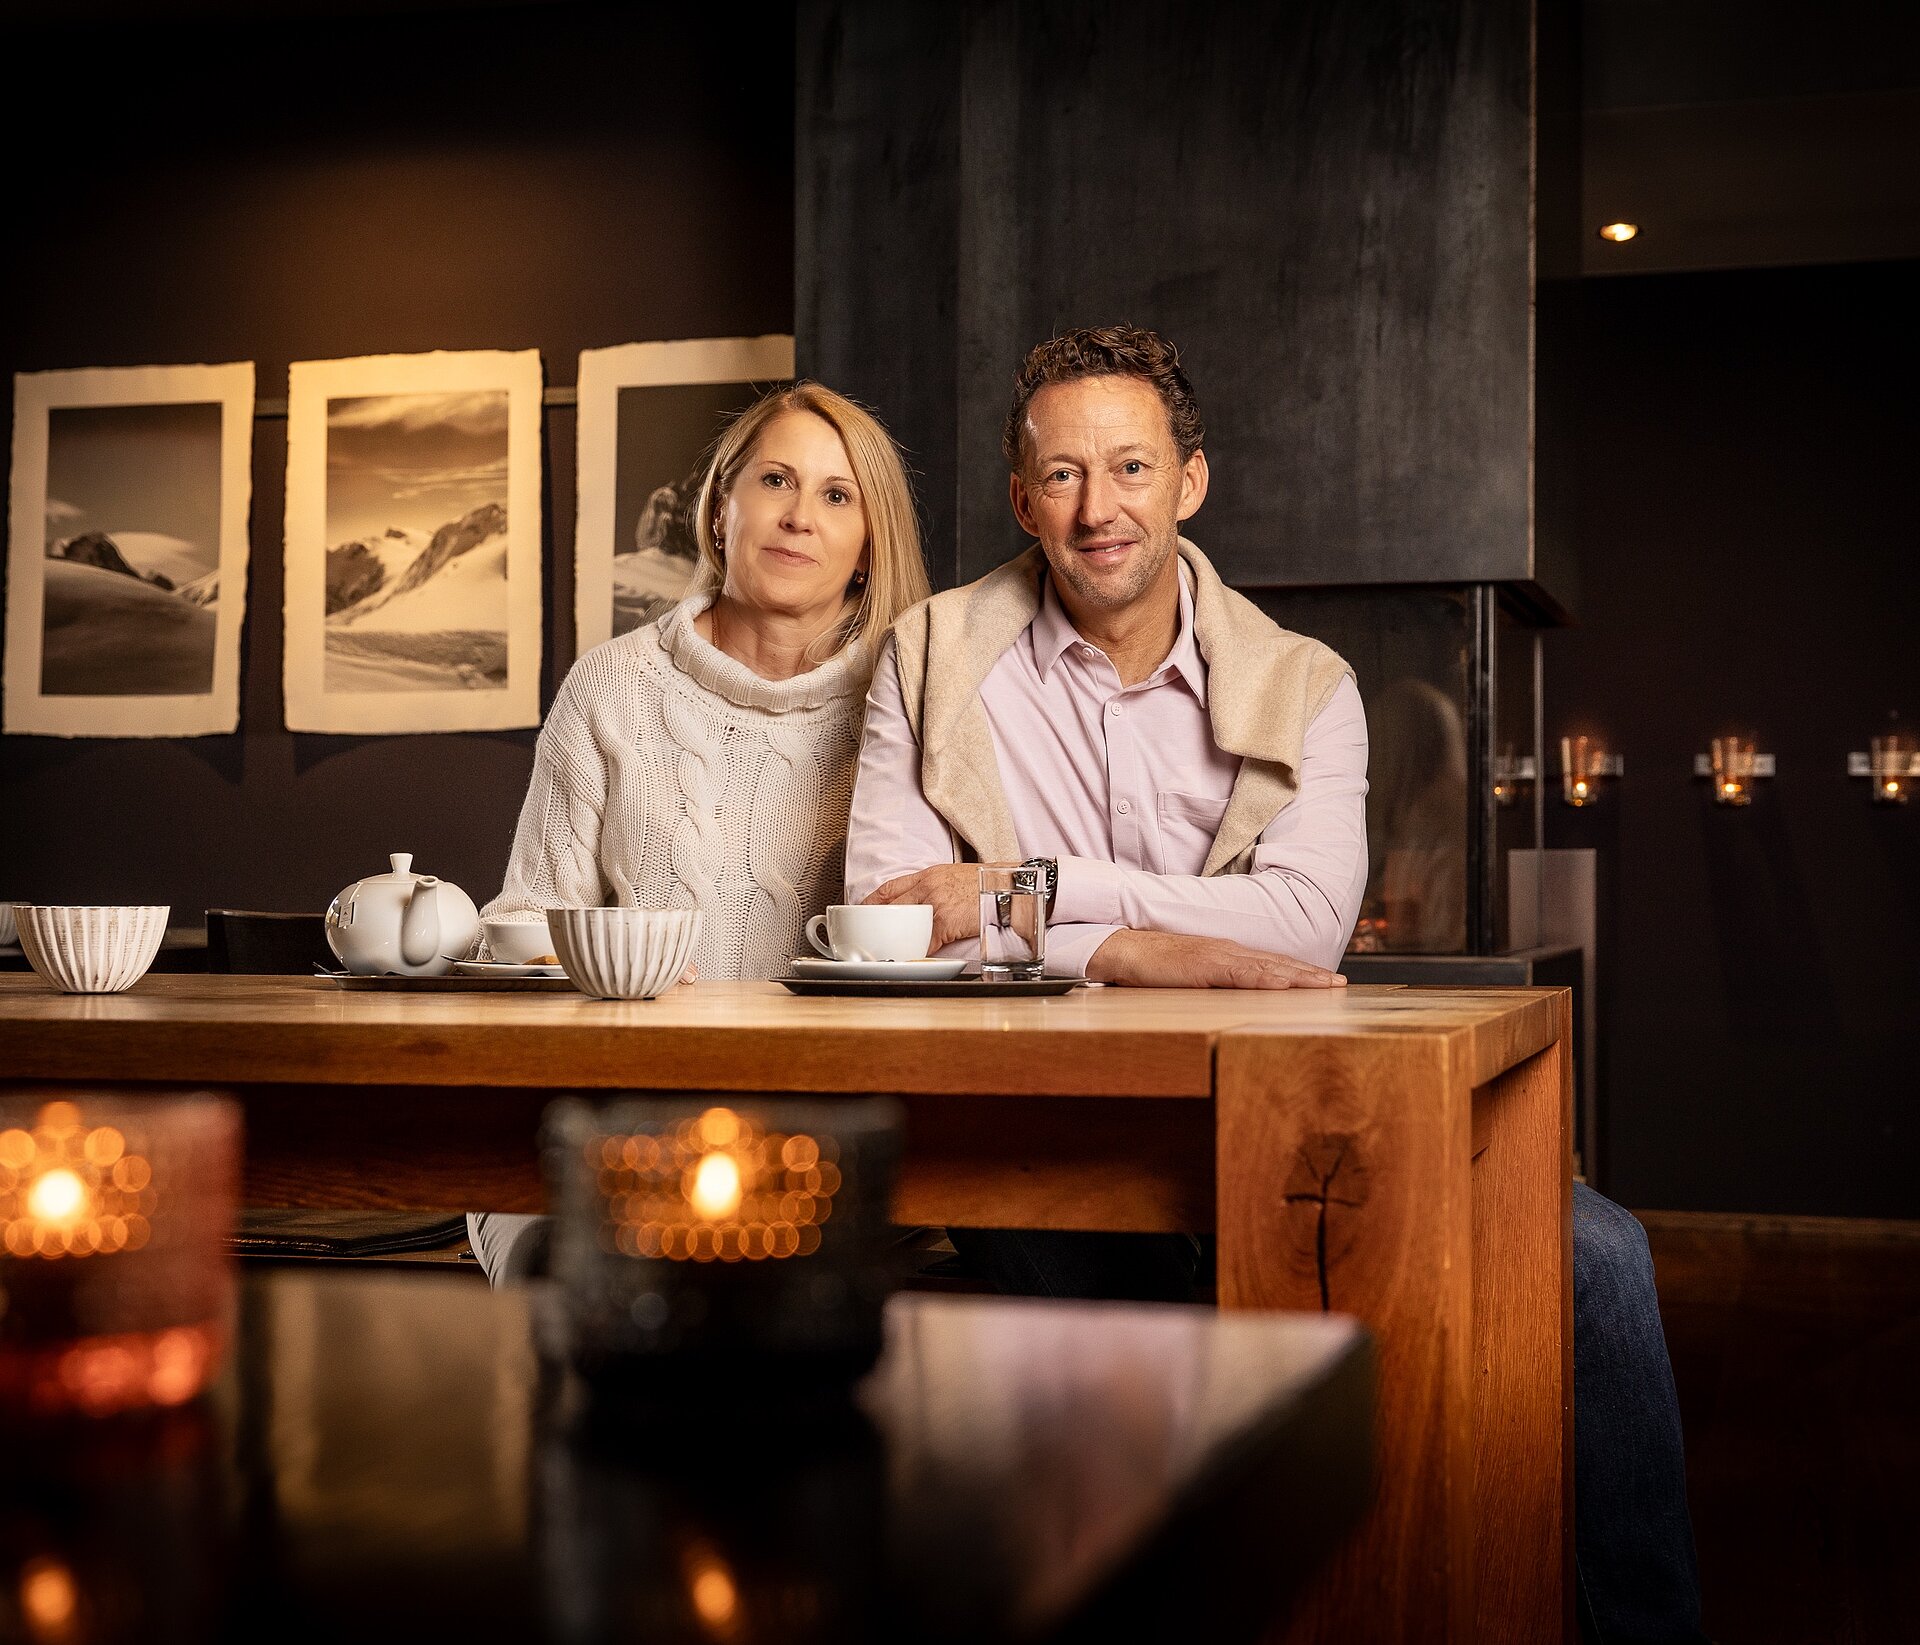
[1105, 351]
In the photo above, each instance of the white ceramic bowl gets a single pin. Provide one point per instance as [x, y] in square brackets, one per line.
[518, 941]
[624, 953]
[91, 950]
[9, 932]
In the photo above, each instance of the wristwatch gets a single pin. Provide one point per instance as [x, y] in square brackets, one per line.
[1050, 879]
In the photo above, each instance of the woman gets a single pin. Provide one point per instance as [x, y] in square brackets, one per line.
[706, 760]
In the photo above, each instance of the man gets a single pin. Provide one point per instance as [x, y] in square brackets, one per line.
[1087, 716]
[1193, 778]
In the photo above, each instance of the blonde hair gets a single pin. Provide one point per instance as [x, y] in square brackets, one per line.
[896, 574]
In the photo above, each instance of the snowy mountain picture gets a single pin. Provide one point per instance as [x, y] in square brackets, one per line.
[123, 536]
[125, 604]
[413, 543]
[420, 603]
[649, 415]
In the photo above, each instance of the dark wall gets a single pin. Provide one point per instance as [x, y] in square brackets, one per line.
[1750, 559]
[1326, 205]
[554, 177]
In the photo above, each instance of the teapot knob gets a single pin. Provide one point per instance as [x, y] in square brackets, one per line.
[402, 862]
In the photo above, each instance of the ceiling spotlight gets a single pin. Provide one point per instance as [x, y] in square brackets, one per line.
[1619, 233]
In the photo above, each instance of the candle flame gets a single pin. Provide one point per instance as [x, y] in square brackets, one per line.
[716, 1187]
[715, 1597]
[687, 1196]
[58, 1198]
[48, 1598]
[719, 1127]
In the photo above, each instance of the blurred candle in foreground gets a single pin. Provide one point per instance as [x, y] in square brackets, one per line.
[115, 1285]
[722, 1239]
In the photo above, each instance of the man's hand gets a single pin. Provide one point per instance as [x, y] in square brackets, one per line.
[954, 890]
[1159, 959]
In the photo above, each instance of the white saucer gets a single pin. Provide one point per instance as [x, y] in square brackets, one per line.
[503, 968]
[880, 970]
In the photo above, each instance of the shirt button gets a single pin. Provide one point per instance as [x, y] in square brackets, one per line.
[1087, 652]
[1114, 710]
[1124, 807]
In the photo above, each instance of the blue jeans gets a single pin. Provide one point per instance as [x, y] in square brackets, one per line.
[1633, 1541]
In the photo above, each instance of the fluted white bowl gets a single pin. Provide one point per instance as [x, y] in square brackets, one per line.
[624, 953]
[9, 931]
[97, 950]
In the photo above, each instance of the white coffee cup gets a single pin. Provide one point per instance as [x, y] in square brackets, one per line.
[519, 941]
[881, 931]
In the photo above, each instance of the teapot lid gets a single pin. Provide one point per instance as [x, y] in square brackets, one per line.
[402, 868]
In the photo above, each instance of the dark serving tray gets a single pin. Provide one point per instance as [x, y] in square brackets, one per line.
[453, 985]
[953, 988]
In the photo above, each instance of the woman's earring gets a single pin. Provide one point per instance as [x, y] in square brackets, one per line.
[859, 581]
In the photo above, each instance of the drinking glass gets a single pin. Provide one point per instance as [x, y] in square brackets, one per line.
[1013, 924]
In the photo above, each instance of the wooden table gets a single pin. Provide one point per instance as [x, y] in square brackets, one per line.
[1397, 1154]
[1011, 1471]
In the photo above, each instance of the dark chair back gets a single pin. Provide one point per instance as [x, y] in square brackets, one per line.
[245, 941]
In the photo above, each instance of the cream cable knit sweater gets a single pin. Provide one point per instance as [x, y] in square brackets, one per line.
[670, 776]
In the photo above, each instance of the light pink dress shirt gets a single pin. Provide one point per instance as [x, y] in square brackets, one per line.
[1125, 786]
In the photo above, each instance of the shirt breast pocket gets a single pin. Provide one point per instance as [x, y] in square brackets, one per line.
[1188, 823]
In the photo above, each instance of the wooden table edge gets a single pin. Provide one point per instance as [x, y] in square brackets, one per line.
[1527, 1027]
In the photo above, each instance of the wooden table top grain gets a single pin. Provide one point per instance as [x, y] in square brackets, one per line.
[722, 1036]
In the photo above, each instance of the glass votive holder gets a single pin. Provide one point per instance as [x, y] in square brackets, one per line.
[1580, 765]
[115, 1284]
[1731, 761]
[1891, 763]
[699, 1241]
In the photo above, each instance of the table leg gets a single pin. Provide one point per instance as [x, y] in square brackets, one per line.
[1523, 1347]
[1342, 1177]
[1369, 1177]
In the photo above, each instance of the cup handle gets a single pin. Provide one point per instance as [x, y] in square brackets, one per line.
[815, 927]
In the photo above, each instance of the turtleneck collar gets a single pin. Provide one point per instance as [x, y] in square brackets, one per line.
[845, 674]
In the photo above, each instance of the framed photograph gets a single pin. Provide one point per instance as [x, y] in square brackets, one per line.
[649, 414]
[413, 543]
[127, 550]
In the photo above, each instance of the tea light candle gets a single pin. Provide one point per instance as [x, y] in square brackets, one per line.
[114, 1279]
[710, 1234]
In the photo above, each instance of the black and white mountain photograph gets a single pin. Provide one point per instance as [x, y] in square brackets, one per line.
[120, 523]
[649, 416]
[417, 542]
[132, 574]
[413, 543]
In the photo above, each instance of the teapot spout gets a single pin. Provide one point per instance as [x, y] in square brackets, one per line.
[420, 922]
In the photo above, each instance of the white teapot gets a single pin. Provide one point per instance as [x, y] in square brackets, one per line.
[412, 925]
